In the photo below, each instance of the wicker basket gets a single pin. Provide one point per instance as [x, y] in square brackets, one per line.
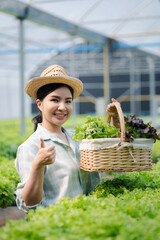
[116, 154]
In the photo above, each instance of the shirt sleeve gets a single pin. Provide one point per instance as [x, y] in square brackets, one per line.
[20, 202]
[23, 164]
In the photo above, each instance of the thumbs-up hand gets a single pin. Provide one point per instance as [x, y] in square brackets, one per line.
[45, 155]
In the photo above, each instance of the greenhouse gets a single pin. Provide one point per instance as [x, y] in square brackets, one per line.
[113, 47]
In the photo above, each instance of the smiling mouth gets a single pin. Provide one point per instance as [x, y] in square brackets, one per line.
[60, 116]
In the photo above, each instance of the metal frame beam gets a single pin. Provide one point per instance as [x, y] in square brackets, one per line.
[25, 11]
[114, 20]
[22, 64]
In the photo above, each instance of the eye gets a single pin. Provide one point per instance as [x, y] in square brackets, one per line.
[69, 101]
[54, 100]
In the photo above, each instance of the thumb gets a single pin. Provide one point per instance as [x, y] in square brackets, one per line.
[42, 143]
[114, 100]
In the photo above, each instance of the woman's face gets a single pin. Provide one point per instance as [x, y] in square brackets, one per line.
[56, 107]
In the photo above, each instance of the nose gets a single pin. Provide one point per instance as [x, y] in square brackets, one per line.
[62, 106]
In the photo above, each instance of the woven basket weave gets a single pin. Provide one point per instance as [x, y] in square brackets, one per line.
[116, 154]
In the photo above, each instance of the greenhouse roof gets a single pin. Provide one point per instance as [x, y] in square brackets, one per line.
[49, 27]
[53, 24]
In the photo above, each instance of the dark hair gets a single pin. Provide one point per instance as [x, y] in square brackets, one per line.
[42, 93]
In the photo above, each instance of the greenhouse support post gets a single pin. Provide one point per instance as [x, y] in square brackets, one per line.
[131, 82]
[72, 72]
[21, 58]
[152, 87]
[106, 73]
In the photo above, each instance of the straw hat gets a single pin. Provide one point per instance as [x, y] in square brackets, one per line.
[53, 74]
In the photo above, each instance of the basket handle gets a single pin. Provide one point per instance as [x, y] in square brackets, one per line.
[121, 119]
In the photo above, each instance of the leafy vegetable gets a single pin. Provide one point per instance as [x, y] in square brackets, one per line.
[125, 208]
[136, 128]
[93, 128]
[123, 183]
[8, 151]
[9, 179]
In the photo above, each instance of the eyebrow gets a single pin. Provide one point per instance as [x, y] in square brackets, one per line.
[54, 96]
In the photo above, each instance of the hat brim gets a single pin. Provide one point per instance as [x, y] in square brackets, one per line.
[34, 84]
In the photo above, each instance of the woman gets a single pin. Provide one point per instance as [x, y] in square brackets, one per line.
[48, 161]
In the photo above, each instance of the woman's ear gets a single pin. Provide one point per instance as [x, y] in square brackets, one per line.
[39, 104]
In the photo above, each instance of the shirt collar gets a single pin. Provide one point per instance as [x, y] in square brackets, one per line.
[44, 133]
[47, 135]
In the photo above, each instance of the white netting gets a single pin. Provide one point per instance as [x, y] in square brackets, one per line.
[102, 143]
